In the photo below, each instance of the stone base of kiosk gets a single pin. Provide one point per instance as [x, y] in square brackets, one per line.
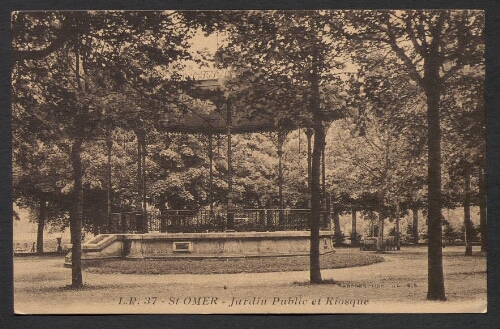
[202, 245]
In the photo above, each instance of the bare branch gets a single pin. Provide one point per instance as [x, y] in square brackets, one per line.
[402, 54]
[409, 30]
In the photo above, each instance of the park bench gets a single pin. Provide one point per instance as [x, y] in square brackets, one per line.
[21, 248]
[389, 243]
[369, 243]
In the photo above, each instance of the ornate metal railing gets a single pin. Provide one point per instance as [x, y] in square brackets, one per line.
[213, 221]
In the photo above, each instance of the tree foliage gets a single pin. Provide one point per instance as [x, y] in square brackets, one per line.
[83, 70]
[434, 46]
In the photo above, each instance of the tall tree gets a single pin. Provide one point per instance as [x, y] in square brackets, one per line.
[434, 46]
[96, 65]
[380, 151]
[464, 140]
[39, 167]
[287, 57]
[40, 172]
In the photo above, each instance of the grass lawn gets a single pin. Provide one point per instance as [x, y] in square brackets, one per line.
[397, 284]
[230, 265]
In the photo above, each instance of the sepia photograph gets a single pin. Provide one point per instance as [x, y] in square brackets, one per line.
[249, 162]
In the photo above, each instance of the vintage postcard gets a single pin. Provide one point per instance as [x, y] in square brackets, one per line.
[230, 162]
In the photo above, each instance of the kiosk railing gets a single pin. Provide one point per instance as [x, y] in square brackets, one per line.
[213, 221]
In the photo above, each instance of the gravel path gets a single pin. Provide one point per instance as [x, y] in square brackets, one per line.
[397, 285]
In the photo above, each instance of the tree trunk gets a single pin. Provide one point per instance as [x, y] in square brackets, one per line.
[435, 276]
[315, 274]
[467, 221]
[309, 134]
[139, 171]
[323, 177]
[398, 235]
[281, 137]
[76, 216]
[337, 231]
[380, 236]
[354, 231]
[414, 210]
[229, 206]
[109, 145]
[163, 215]
[319, 145]
[211, 176]
[144, 224]
[41, 224]
[482, 210]
[398, 243]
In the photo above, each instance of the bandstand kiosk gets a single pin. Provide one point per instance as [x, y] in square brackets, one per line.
[215, 234]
